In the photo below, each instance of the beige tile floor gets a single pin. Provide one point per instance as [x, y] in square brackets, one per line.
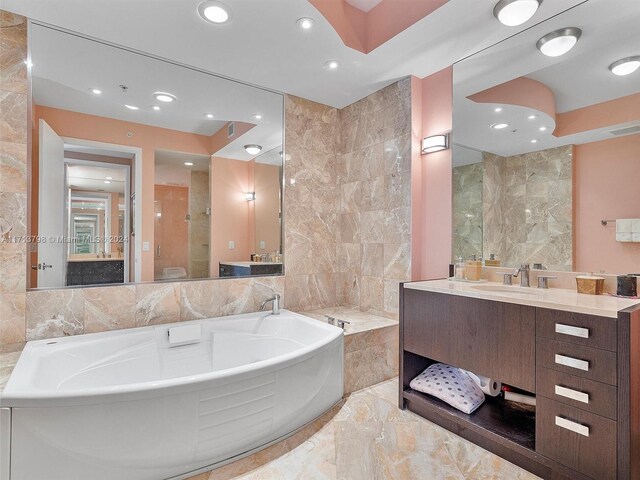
[366, 437]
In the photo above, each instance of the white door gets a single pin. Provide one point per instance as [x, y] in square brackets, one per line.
[51, 202]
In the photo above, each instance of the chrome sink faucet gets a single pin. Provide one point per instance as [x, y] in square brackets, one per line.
[523, 271]
[275, 305]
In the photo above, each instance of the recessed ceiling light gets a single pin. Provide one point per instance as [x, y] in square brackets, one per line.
[214, 12]
[131, 107]
[515, 12]
[209, 115]
[164, 97]
[108, 178]
[156, 107]
[306, 23]
[532, 117]
[534, 141]
[498, 109]
[499, 126]
[257, 116]
[107, 181]
[95, 91]
[559, 42]
[625, 66]
[543, 129]
[253, 149]
[331, 65]
[189, 164]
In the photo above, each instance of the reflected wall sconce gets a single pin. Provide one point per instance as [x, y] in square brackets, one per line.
[250, 196]
[435, 143]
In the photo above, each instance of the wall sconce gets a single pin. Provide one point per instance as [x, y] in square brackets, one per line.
[435, 143]
[250, 196]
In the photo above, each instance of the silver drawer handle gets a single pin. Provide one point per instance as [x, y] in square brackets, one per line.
[573, 426]
[572, 362]
[573, 331]
[572, 394]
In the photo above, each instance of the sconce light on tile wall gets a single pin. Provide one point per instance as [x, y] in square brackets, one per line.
[435, 143]
[250, 196]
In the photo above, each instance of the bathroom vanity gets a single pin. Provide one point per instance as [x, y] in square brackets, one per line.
[579, 354]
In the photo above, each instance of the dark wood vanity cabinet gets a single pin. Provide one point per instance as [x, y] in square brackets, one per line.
[583, 369]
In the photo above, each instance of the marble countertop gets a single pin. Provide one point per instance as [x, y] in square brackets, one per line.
[95, 259]
[249, 264]
[553, 298]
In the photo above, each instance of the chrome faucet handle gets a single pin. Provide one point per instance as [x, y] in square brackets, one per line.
[275, 305]
[543, 280]
[330, 320]
[507, 279]
[341, 323]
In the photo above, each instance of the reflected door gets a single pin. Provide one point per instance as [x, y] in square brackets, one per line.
[51, 203]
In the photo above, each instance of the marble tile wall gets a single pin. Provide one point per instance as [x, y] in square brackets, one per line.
[528, 208]
[467, 211]
[347, 220]
[374, 220]
[199, 230]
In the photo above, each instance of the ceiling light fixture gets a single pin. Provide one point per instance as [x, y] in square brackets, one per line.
[209, 115]
[625, 66]
[214, 12]
[499, 126]
[95, 91]
[435, 143]
[332, 65]
[543, 129]
[258, 116]
[498, 109]
[515, 12]
[559, 42]
[534, 141]
[156, 107]
[107, 181]
[305, 23]
[253, 149]
[189, 164]
[131, 107]
[164, 97]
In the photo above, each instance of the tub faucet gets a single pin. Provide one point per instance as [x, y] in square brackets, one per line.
[524, 277]
[275, 306]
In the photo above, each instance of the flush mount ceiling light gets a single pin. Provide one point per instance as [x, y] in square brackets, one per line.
[331, 65]
[515, 12]
[164, 97]
[435, 143]
[131, 107]
[258, 116]
[559, 42]
[95, 91]
[189, 164]
[499, 126]
[214, 12]
[253, 149]
[306, 23]
[625, 66]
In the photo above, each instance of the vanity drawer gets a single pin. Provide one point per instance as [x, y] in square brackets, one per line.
[579, 392]
[580, 440]
[586, 362]
[588, 330]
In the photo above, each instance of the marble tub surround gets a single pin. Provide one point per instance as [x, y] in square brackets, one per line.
[552, 298]
[367, 437]
[527, 208]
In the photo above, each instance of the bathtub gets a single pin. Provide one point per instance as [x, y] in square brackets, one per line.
[127, 405]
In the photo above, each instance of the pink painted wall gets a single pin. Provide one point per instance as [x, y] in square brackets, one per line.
[606, 186]
[231, 214]
[605, 114]
[267, 207]
[434, 215]
[149, 139]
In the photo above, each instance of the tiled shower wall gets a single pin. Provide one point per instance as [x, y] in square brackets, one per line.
[467, 211]
[528, 208]
[325, 148]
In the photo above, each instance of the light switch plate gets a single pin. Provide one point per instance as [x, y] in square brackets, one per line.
[146, 246]
[232, 245]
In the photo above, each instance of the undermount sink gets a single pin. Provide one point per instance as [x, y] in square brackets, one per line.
[506, 289]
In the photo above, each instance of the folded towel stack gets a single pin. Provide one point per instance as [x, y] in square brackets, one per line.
[628, 230]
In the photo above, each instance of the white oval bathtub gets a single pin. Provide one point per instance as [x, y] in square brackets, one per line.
[125, 405]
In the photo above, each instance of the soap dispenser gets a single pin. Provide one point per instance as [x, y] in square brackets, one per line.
[492, 261]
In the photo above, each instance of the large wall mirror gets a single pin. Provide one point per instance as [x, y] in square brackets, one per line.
[546, 149]
[144, 170]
